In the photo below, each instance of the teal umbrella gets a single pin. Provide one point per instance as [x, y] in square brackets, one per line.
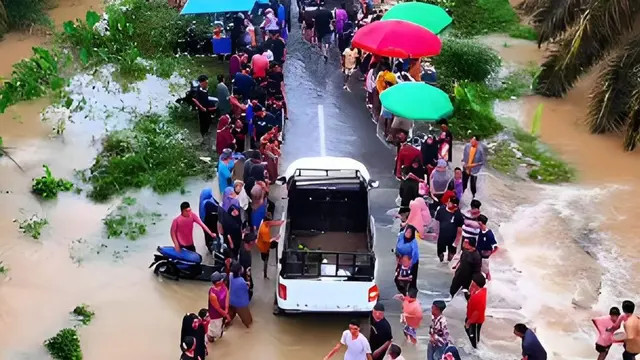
[417, 101]
[432, 17]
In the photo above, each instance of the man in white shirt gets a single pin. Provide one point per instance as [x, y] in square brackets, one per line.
[357, 344]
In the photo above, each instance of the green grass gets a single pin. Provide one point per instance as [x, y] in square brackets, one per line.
[481, 17]
[83, 314]
[128, 221]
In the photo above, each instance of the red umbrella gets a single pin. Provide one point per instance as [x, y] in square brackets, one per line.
[398, 39]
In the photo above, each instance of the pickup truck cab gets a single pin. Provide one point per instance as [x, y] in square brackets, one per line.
[326, 258]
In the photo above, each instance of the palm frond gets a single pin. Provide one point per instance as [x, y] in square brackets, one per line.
[611, 93]
[554, 17]
[632, 133]
[4, 21]
[602, 25]
[529, 7]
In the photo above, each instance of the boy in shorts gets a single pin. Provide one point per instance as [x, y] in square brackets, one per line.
[265, 242]
[605, 340]
[411, 314]
[403, 275]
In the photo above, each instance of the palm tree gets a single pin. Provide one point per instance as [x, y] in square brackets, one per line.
[586, 33]
[4, 23]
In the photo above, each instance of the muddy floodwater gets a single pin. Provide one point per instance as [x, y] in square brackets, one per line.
[567, 252]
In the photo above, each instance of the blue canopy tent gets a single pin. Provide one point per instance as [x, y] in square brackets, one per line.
[216, 6]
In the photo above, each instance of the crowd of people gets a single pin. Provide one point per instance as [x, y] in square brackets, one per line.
[250, 119]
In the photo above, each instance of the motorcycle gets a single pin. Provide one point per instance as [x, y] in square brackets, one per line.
[185, 264]
[191, 94]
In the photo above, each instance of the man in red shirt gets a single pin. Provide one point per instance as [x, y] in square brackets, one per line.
[406, 154]
[259, 66]
[476, 307]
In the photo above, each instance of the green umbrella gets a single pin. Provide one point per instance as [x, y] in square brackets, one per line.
[432, 17]
[417, 101]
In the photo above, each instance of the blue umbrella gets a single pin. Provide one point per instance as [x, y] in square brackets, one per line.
[216, 6]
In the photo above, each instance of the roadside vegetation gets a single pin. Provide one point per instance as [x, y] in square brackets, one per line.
[481, 17]
[3, 268]
[83, 314]
[128, 220]
[470, 72]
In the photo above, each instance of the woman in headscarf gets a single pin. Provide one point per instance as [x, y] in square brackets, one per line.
[429, 151]
[225, 166]
[194, 325]
[224, 136]
[439, 181]
[230, 222]
[234, 65]
[408, 246]
[209, 216]
[229, 198]
[419, 216]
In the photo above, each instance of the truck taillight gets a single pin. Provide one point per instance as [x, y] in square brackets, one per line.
[373, 293]
[282, 291]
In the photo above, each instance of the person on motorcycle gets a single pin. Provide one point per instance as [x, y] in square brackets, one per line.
[182, 228]
[205, 108]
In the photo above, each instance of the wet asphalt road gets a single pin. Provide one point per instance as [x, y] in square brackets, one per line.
[318, 102]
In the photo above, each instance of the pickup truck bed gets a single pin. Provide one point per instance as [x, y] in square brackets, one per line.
[331, 241]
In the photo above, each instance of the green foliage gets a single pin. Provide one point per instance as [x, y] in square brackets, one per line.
[127, 221]
[445, 4]
[65, 345]
[464, 60]
[33, 226]
[3, 269]
[23, 14]
[32, 78]
[48, 186]
[155, 152]
[525, 32]
[83, 313]
[514, 85]
[473, 114]
[480, 17]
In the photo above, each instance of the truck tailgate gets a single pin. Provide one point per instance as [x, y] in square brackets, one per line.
[326, 295]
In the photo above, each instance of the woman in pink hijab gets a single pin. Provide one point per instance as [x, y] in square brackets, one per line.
[419, 216]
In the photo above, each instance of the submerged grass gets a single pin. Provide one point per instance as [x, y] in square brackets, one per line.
[83, 314]
[128, 221]
[155, 152]
[525, 150]
[32, 226]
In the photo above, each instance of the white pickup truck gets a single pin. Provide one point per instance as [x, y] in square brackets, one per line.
[326, 258]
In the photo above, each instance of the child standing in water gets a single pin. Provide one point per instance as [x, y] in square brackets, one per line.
[411, 314]
[403, 275]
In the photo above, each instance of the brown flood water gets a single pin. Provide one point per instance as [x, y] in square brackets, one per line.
[139, 317]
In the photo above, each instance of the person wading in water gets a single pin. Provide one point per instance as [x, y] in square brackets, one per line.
[182, 228]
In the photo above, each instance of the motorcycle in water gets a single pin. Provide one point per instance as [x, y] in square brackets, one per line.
[185, 264]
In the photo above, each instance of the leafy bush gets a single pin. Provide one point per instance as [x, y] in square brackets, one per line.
[472, 114]
[48, 187]
[32, 78]
[464, 60]
[156, 152]
[65, 345]
[479, 17]
[3, 269]
[33, 226]
[83, 313]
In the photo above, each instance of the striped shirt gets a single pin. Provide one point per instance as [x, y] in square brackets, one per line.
[470, 229]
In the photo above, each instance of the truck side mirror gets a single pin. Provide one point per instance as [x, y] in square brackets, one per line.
[281, 180]
[373, 184]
